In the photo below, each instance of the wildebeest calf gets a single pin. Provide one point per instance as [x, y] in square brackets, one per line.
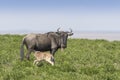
[43, 56]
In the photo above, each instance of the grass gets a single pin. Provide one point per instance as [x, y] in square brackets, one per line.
[83, 59]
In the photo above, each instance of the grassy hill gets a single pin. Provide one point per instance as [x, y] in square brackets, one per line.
[83, 59]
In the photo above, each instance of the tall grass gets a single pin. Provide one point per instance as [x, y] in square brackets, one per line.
[83, 59]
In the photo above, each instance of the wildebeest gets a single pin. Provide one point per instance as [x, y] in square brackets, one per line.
[50, 41]
[40, 56]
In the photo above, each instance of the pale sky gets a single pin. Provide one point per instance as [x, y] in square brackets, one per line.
[48, 15]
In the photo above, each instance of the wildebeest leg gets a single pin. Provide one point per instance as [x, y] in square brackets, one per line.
[53, 51]
[53, 46]
[28, 54]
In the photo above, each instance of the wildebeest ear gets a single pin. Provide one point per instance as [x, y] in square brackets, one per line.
[70, 34]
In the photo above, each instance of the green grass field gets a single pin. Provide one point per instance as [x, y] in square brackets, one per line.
[83, 59]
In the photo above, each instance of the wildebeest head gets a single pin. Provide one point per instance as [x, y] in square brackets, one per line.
[63, 37]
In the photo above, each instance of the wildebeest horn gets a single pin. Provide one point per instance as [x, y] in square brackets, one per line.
[58, 29]
[70, 30]
[70, 33]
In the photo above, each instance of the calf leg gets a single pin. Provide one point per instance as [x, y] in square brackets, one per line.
[35, 62]
[50, 60]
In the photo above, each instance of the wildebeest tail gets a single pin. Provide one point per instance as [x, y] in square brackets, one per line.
[22, 49]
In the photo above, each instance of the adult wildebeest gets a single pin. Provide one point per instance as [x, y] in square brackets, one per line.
[50, 41]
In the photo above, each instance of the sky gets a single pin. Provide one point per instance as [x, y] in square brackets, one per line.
[48, 15]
